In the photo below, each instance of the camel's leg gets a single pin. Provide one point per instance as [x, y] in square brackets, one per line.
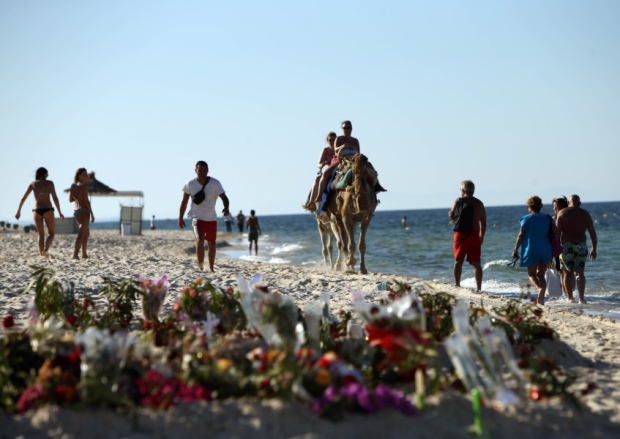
[324, 234]
[330, 238]
[350, 231]
[342, 244]
[362, 245]
[333, 230]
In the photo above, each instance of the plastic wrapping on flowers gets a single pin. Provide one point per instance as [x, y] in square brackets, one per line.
[153, 295]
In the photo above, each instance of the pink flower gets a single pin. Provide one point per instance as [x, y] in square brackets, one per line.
[29, 398]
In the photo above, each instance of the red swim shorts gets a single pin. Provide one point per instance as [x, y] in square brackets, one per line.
[467, 244]
[206, 229]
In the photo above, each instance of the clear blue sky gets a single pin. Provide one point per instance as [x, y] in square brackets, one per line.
[521, 97]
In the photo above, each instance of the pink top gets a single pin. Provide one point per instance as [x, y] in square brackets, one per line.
[327, 156]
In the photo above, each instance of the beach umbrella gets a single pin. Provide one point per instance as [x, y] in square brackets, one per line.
[99, 189]
[95, 187]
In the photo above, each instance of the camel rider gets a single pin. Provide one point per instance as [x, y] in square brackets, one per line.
[347, 145]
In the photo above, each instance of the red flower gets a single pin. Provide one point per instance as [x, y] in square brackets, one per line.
[65, 393]
[395, 340]
[71, 320]
[8, 322]
[535, 394]
[74, 358]
[264, 289]
[348, 379]
[230, 290]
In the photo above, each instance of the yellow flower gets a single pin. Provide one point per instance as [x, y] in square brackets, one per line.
[331, 356]
[271, 355]
[224, 364]
[322, 377]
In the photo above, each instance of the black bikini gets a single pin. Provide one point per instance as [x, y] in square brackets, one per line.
[43, 210]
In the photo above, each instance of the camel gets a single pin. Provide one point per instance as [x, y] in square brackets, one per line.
[348, 207]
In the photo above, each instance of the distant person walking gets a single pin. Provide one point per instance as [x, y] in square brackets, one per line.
[228, 220]
[240, 221]
[43, 211]
[535, 245]
[559, 204]
[204, 192]
[470, 224]
[153, 222]
[572, 224]
[253, 231]
[82, 211]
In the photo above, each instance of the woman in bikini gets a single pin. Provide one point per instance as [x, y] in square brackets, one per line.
[328, 158]
[82, 212]
[43, 210]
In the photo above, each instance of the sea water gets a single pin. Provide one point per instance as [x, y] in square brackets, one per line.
[424, 249]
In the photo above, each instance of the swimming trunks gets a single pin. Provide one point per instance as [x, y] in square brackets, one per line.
[79, 212]
[253, 235]
[467, 244]
[574, 255]
[205, 229]
[42, 210]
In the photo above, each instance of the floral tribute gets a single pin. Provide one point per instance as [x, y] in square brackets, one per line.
[253, 341]
[153, 294]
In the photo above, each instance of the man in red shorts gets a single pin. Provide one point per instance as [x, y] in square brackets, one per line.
[470, 224]
[204, 192]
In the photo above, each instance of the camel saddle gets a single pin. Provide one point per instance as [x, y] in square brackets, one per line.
[343, 176]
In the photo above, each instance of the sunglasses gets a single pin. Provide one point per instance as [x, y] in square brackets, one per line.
[346, 127]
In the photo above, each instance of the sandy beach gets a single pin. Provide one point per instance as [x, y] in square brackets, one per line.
[588, 345]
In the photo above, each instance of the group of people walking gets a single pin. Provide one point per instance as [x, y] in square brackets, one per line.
[534, 245]
[43, 213]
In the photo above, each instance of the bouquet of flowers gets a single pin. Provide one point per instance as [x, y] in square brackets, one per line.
[481, 356]
[102, 357]
[153, 295]
[398, 328]
[271, 313]
[193, 303]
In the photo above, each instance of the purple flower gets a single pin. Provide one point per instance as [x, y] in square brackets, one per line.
[351, 389]
[329, 395]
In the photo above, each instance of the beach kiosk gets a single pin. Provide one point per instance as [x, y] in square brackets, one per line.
[131, 211]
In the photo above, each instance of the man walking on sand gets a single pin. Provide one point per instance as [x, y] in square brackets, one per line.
[253, 231]
[204, 191]
[470, 224]
[572, 223]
